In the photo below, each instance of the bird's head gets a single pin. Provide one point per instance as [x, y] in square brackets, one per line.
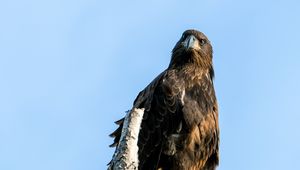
[192, 48]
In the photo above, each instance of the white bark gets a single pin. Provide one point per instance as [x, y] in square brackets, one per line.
[126, 154]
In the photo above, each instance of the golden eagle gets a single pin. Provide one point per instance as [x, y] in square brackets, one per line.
[179, 129]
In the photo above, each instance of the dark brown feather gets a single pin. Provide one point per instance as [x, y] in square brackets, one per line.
[119, 122]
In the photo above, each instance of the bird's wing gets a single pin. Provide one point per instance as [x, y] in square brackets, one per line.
[161, 117]
[143, 98]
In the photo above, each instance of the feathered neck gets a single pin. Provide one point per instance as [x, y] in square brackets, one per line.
[191, 61]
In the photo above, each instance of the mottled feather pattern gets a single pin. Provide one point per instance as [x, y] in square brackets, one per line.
[159, 121]
[179, 130]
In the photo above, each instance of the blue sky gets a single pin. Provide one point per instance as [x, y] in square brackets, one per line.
[68, 69]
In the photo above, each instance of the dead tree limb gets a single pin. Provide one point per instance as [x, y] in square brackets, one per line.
[126, 154]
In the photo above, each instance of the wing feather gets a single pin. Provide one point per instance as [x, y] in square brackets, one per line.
[161, 102]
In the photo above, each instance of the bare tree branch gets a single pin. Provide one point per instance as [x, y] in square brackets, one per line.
[126, 154]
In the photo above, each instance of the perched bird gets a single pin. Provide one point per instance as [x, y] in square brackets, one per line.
[179, 129]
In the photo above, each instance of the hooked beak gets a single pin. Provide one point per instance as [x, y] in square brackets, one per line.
[191, 42]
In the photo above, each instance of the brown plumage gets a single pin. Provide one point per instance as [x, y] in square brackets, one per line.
[179, 130]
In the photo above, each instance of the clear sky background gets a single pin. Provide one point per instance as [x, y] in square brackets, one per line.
[68, 69]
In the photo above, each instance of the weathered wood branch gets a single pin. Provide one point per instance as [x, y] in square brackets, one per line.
[126, 154]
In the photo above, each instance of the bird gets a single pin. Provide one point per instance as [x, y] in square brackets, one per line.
[179, 128]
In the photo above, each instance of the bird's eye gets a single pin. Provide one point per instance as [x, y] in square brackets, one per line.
[202, 41]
